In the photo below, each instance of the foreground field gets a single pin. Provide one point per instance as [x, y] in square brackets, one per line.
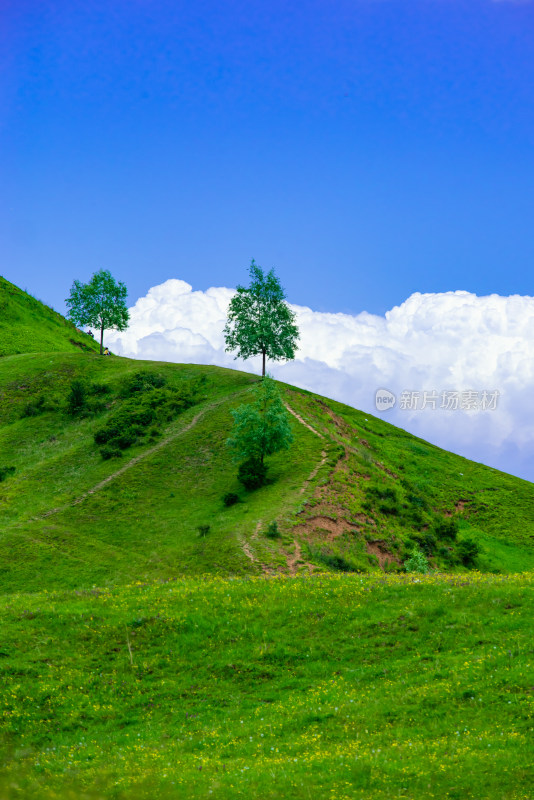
[346, 686]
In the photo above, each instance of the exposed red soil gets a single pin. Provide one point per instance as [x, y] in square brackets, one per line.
[459, 506]
[380, 550]
[334, 527]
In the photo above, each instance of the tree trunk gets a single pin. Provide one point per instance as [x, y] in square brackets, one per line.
[101, 339]
[263, 371]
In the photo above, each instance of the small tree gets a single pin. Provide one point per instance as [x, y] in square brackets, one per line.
[260, 429]
[417, 562]
[100, 303]
[260, 322]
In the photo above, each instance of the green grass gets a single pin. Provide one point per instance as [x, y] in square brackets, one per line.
[28, 326]
[330, 686]
[144, 522]
[216, 661]
[381, 484]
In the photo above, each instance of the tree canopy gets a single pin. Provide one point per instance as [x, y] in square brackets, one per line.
[100, 303]
[260, 322]
[260, 429]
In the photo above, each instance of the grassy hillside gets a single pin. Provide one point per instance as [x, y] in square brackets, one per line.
[349, 687]
[352, 494]
[28, 326]
[156, 642]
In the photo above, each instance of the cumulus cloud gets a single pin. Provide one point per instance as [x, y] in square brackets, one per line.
[452, 341]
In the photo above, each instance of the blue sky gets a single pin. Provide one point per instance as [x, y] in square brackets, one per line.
[366, 149]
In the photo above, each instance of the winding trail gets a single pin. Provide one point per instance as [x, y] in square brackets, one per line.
[141, 456]
[294, 558]
[314, 472]
[245, 546]
[159, 446]
[303, 421]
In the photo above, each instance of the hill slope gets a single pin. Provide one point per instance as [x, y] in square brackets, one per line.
[187, 674]
[353, 493]
[28, 326]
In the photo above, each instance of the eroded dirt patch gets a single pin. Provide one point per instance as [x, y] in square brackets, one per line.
[334, 527]
[379, 549]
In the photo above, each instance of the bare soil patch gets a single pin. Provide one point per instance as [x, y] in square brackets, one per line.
[379, 549]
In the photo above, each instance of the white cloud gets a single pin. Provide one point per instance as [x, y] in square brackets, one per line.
[448, 341]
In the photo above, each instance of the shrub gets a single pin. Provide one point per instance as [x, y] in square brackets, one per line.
[5, 472]
[468, 550]
[108, 452]
[77, 399]
[334, 560]
[34, 407]
[417, 501]
[416, 562]
[252, 473]
[127, 438]
[446, 528]
[272, 531]
[99, 388]
[427, 542]
[230, 499]
[413, 516]
[382, 493]
[260, 429]
[446, 554]
[139, 382]
[384, 497]
[129, 423]
[388, 508]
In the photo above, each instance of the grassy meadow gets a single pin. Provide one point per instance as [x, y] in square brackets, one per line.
[157, 642]
[332, 686]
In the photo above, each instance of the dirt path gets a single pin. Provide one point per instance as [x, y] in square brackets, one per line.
[314, 472]
[245, 546]
[293, 560]
[141, 456]
[303, 422]
[132, 462]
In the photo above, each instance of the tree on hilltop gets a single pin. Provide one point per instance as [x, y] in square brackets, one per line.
[260, 322]
[100, 303]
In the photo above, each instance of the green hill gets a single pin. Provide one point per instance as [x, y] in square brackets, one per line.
[28, 326]
[157, 642]
[353, 493]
